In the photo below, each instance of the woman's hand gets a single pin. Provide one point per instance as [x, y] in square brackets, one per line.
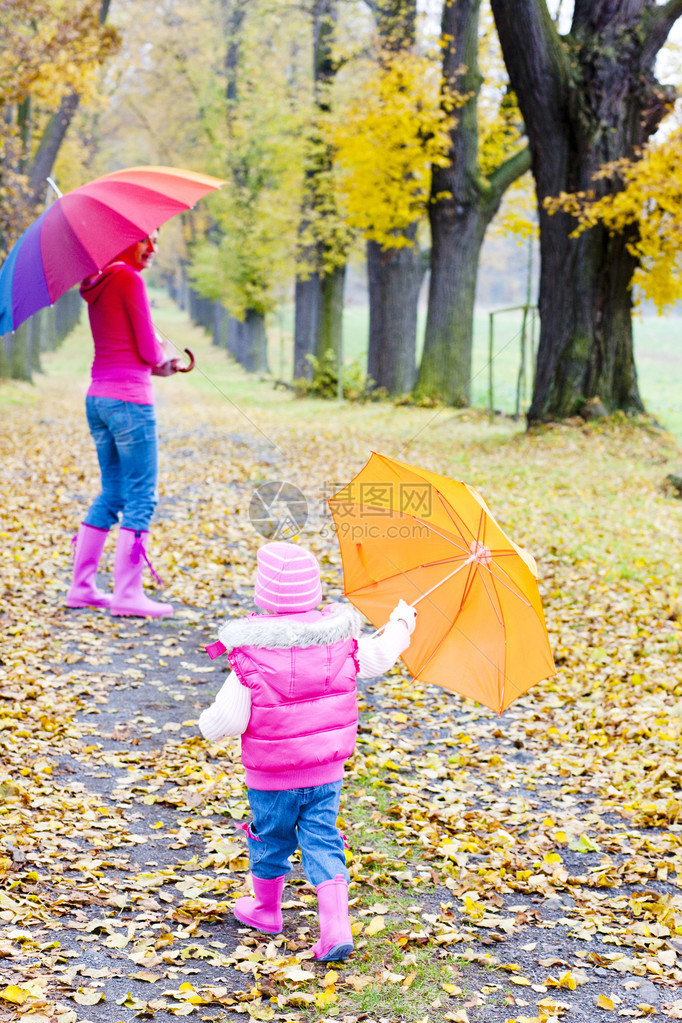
[166, 369]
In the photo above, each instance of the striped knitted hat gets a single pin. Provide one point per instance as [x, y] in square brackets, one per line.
[287, 578]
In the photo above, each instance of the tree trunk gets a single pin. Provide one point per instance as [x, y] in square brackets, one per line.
[330, 336]
[308, 303]
[46, 340]
[5, 356]
[394, 274]
[585, 303]
[318, 313]
[395, 277]
[200, 310]
[55, 131]
[462, 205]
[21, 360]
[255, 353]
[67, 312]
[181, 286]
[50, 144]
[588, 99]
[220, 316]
[236, 344]
[456, 239]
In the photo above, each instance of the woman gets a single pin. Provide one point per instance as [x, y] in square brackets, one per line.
[120, 411]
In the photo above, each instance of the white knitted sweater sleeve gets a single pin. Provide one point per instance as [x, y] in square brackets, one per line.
[229, 713]
[378, 653]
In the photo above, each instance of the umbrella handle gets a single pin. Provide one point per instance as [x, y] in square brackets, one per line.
[190, 367]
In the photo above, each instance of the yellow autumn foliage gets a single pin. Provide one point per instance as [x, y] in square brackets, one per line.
[50, 48]
[261, 155]
[650, 201]
[386, 137]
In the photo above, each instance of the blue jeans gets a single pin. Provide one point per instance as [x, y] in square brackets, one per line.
[305, 817]
[127, 450]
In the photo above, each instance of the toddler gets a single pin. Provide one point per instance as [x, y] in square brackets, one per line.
[291, 695]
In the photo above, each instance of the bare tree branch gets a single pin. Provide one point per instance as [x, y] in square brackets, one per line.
[658, 24]
[534, 54]
[509, 171]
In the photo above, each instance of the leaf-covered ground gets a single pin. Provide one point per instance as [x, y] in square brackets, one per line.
[522, 868]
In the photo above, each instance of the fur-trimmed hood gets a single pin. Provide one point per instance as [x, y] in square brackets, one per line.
[274, 632]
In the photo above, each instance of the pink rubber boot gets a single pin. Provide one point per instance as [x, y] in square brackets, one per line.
[336, 940]
[83, 592]
[264, 911]
[129, 598]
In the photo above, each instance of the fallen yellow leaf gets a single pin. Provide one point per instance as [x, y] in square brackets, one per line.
[14, 994]
[88, 996]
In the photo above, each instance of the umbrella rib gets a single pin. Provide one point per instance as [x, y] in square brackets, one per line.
[448, 512]
[406, 575]
[480, 533]
[463, 634]
[492, 602]
[427, 525]
[502, 676]
[441, 582]
[511, 589]
[519, 595]
[501, 671]
[443, 536]
[442, 561]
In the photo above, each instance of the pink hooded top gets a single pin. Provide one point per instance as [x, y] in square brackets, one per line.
[126, 346]
[301, 671]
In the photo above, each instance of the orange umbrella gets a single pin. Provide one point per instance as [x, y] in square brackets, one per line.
[409, 533]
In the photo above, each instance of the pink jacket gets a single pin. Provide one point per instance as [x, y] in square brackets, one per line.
[300, 670]
[126, 346]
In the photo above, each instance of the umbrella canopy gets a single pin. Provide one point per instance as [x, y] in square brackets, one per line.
[85, 228]
[409, 533]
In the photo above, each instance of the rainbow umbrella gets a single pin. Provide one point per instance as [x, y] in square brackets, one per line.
[86, 228]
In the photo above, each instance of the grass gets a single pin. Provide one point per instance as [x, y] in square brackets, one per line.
[538, 490]
[657, 353]
[657, 350]
[415, 1001]
[659, 366]
[386, 980]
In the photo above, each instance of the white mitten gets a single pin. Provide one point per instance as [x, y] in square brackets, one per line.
[405, 613]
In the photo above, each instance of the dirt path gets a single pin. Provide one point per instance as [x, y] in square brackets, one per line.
[127, 899]
[502, 869]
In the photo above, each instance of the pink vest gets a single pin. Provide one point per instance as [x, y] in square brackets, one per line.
[304, 711]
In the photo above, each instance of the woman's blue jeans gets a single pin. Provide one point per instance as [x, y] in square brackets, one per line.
[284, 820]
[127, 450]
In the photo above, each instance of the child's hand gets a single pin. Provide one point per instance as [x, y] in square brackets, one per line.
[405, 613]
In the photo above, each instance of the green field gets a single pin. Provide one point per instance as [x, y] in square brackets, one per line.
[657, 347]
